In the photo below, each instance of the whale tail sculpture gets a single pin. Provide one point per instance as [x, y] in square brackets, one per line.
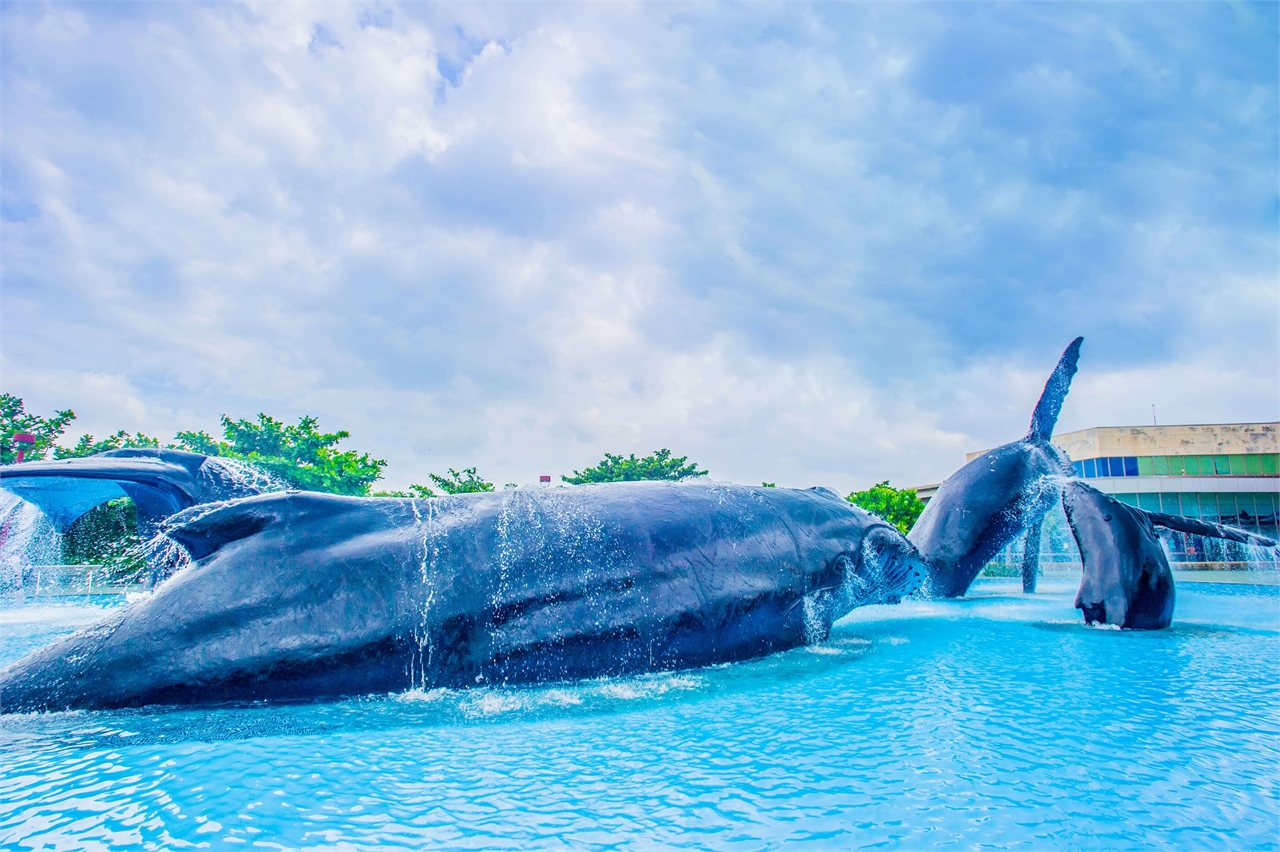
[160, 483]
[1045, 416]
[983, 506]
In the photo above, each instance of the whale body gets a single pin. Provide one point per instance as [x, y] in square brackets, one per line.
[1127, 580]
[307, 596]
[985, 504]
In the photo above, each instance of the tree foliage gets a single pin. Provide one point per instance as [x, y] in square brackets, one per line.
[14, 419]
[660, 465]
[107, 535]
[899, 506]
[300, 455]
[466, 482]
[121, 440]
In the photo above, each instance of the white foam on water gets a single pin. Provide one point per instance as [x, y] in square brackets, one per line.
[417, 695]
[648, 686]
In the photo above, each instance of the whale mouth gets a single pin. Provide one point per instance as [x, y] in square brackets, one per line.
[890, 569]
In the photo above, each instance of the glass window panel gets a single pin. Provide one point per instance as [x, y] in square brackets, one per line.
[1221, 466]
[1206, 465]
[1130, 466]
[1077, 468]
[1266, 505]
[1169, 504]
[1150, 502]
[1227, 509]
[1253, 464]
[1117, 465]
[1191, 464]
[1237, 465]
[1209, 507]
[1176, 467]
[1190, 505]
[1245, 508]
[1159, 466]
[1270, 464]
[1089, 472]
[1128, 499]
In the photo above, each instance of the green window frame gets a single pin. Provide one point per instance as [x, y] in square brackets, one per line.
[1237, 463]
[1147, 466]
[1270, 464]
[1176, 467]
[1221, 465]
[1192, 464]
[1206, 465]
[1253, 465]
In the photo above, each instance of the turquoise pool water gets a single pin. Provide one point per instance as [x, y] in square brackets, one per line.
[996, 720]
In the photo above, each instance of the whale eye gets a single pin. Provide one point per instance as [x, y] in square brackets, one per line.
[1106, 517]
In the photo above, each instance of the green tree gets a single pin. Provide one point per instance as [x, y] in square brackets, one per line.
[14, 419]
[415, 491]
[898, 506]
[466, 482]
[87, 446]
[659, 465]
[107, 535]
[300, 455]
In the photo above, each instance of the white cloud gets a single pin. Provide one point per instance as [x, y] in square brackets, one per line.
[809, 245]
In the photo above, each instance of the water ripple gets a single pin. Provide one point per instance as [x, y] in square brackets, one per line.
[996, 721]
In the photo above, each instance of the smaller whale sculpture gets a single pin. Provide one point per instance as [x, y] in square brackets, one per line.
[985, 504]
[1127, 580]
[303, 596]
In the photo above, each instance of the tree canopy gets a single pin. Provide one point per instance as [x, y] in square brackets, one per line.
[466, 482]
[15, 419]
[659, 465]
[301, 455]
[899, 506]
[121, 440]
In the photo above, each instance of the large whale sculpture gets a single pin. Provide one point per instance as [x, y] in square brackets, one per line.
[304, 596]
[985, 504]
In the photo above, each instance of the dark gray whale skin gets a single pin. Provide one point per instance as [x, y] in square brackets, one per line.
[160, 483]
[302, 596]
[985, 504]
[1127, 580]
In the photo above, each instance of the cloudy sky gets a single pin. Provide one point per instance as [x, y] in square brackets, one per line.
[825, 244]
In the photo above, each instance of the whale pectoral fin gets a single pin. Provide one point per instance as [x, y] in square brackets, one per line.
[202, 530]
[1196, 527]
[204, 533]
[1049, 407]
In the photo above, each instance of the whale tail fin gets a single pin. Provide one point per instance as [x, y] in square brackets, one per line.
[1049, 407]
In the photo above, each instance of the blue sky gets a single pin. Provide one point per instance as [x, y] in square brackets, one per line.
[824, 244]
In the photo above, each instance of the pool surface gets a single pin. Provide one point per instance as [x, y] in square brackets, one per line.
[998, 720]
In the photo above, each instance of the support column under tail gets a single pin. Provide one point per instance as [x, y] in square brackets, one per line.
[1031, 558]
